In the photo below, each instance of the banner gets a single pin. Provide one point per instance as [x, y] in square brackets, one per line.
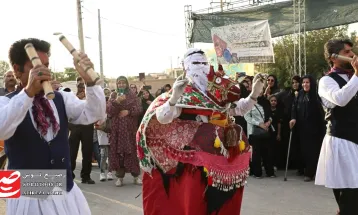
[279, 14]
[230, 69]
[248, 42]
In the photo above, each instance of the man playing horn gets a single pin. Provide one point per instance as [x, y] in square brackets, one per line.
[35, 129]
[338, 163]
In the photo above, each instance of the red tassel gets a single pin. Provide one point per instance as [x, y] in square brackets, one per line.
[233, 152]
[210, 180]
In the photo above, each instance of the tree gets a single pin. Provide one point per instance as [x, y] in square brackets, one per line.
[4, 67]
[70, 74]
[316, 63]
[59, 76]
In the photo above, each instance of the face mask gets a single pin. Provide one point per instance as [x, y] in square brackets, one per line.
[198, 74]
[120, 91]
[197, 71]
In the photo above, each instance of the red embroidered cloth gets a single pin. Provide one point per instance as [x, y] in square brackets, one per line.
[185, 196]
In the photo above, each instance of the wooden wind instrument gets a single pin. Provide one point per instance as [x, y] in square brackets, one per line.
[89, 70]
[35, 60]
[340, 57]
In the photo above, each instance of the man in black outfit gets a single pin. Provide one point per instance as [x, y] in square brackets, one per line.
[83, 134]
[337, 166]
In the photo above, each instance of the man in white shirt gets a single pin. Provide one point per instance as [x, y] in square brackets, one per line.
[338, 162]
[35, 129]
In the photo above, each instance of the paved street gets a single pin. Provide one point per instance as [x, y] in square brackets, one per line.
[262, 197]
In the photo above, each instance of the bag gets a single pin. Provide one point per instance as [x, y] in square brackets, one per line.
[259, 132]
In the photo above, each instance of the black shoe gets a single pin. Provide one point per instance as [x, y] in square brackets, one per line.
[88, 181]
[257, 177]
[271, 176]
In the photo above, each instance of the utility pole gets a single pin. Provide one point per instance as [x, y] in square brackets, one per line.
[222, 5]
[80, 26]
[171, 65]
[100, 45]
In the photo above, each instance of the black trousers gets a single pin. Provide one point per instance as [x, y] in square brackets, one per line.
[347, 201]
[310, 146]
[262, 151]
[82, 134]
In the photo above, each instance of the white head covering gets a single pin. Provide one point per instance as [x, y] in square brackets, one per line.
[197, 72]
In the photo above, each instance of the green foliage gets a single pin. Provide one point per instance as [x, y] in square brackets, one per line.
[4, 67]
[316, 63]
[70, 74]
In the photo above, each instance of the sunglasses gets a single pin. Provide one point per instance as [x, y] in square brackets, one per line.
[198, 63]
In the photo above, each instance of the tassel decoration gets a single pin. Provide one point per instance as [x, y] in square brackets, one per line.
[206, 171]
[242, 145]
[217, 142]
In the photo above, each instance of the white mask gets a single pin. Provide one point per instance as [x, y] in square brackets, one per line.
[197, 68]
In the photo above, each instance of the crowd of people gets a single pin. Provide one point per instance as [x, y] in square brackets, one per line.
[183, 132]
[277, 114]
[126, 106]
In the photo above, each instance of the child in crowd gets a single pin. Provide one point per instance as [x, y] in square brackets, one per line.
[96, 156]
[275, 136]
[103, 142]
[104, 151]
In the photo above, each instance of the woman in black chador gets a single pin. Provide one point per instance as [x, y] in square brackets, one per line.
[285, 101]
[308, 118]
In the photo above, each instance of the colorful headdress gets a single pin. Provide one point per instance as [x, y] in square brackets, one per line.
[221, 88]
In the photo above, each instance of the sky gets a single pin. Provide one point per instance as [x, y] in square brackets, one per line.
[126, 50]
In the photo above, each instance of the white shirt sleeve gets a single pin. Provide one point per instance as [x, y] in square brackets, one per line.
[12, 113]
[329, 90]
[86, 111]
[166, 113]
[242, 107]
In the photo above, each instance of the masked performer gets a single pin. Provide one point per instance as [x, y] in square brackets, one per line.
[195, 158]
[338, 162]
[35, 129]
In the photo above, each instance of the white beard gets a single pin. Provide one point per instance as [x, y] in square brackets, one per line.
[198, 74]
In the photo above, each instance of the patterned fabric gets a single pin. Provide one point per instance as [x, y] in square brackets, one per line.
[347, 72]
[191, 98]
[164, 144]
[176, 134]
[122, 152]
[42, 111]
